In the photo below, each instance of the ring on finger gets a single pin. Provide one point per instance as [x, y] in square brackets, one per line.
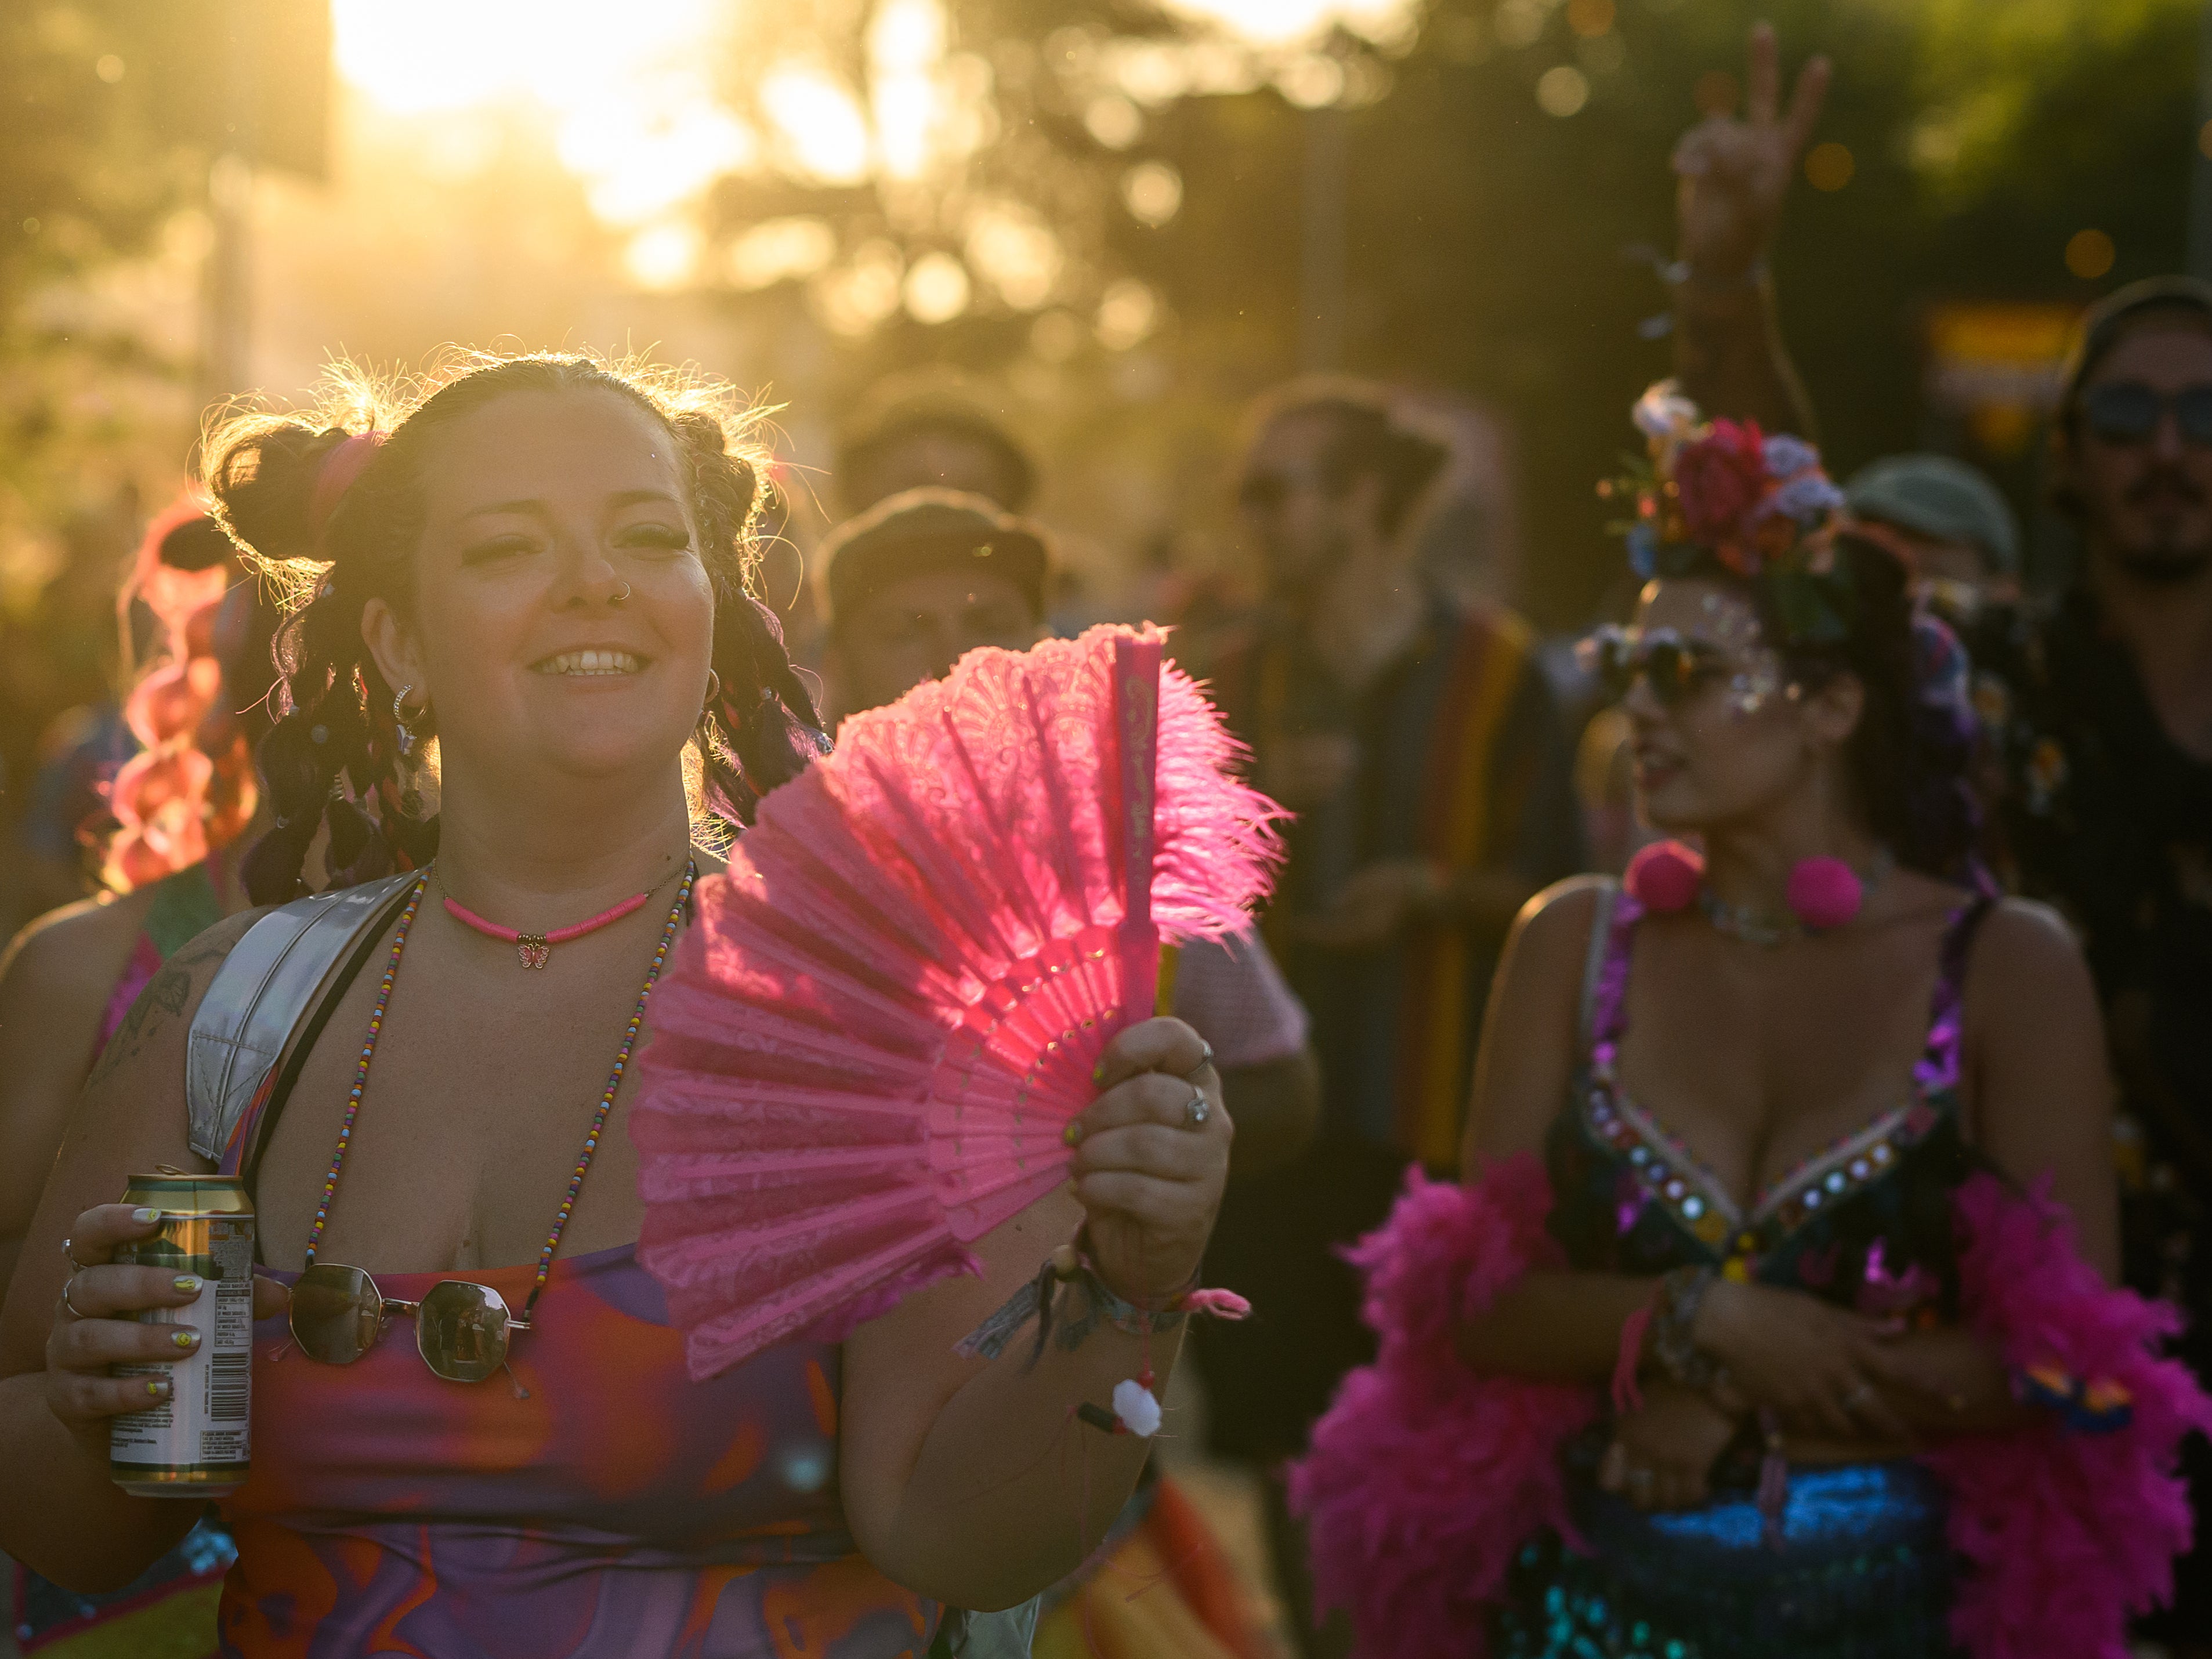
[76, 1266]
[69, 1285]
[1204, 1060]
[1196, 1110]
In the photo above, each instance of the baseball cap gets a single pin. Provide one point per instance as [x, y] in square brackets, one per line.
[1937, 496]
[932, 529]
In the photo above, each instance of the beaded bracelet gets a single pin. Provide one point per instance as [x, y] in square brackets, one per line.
[1674, 1320]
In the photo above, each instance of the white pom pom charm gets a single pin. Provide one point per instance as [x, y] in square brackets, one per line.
[1136, 1409]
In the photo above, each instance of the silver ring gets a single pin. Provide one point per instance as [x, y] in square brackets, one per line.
[1204, 1060]
[76, 1266]
[69, 1285]
[1196, 1110]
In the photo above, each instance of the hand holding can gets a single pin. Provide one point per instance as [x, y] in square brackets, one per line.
[163, 1289]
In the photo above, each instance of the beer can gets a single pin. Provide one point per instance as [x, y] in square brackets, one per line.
[195, 1443]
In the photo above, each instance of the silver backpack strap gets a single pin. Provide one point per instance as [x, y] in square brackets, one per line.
[267, 986]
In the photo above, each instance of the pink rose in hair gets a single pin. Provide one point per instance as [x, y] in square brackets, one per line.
[1720, 480]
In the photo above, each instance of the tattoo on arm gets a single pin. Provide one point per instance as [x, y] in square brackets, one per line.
[165, 997]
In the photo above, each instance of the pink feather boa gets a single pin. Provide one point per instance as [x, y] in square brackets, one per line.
[1425, 1478]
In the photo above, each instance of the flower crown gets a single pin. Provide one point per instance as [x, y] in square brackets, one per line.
[1723, 492]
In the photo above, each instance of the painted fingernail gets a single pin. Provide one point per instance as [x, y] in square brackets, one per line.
[144, 1217]
[188, 1284]
[1098, 1074]
[186, 1339]
[1072, 1135]
[158, 1387]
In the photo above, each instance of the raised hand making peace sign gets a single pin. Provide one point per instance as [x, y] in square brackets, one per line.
[1734, 172]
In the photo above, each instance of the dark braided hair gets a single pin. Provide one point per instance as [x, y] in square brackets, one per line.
[1910, 757]
[335, 748]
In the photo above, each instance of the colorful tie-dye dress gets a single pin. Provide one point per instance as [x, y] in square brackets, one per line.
[615, 1509]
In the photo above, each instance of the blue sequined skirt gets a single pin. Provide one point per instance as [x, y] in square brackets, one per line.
[1862, 1571]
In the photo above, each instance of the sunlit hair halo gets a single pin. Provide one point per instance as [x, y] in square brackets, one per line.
[332, 543]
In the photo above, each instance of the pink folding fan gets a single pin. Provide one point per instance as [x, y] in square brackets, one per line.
[866, 1049]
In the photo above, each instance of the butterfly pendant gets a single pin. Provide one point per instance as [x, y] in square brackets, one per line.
[533, 950]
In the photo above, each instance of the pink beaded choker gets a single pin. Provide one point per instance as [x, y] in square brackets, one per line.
[598, 1115]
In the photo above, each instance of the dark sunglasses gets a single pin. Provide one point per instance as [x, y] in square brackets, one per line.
[2129, 412]
[460, 1329]
[1676, 669]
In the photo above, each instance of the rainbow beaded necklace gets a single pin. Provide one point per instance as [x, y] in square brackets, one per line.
[598, 1115]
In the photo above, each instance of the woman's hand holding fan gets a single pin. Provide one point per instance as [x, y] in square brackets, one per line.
[871, 1047]
[1148, 1178]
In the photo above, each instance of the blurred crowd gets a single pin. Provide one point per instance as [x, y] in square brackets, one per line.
[1446, 760]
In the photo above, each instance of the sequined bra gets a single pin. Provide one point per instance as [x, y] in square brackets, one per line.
[1866, 1224]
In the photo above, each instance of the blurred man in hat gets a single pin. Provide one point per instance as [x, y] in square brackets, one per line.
[913, 584]
[1953, 526]
[1413, 732]
[927, 575]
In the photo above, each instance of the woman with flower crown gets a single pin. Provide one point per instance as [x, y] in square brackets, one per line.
[1772, 1314]
[523, 624]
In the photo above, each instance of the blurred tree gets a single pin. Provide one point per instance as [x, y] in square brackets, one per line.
[1508, 194]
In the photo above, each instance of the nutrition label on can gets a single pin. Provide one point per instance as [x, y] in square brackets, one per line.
[204, 1419]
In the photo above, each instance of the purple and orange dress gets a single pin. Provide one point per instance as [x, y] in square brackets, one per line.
[596, 1502]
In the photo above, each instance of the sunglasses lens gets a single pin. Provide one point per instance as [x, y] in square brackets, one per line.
[2194, 410]
[2122, 412]
[1671, 669]
[335, 1312]
[462, 1331]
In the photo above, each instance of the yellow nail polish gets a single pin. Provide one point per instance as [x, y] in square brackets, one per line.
[186, 1339]
[1098, 1074]
[189, 1284]
[142, 1216]
[1072, 1135]
[157, 1387]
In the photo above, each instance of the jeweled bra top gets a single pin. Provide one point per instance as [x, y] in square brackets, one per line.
[1866, 1224]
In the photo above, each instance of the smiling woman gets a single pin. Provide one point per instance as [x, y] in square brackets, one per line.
[534, 571]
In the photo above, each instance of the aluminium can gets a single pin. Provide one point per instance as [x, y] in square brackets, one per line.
[197, 1442]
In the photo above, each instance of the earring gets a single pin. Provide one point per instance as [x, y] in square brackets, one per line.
[714, 693]
[399, 720]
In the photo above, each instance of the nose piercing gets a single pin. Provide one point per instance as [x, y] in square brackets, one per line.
[618, 597]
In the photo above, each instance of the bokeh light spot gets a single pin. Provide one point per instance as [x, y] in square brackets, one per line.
[1591, 18]
[1312, 80]
[1154, 192]
[2090, 254]
[109, 69]
[780, 251]
[1519, 22]
[1127, 314]
[937, 288]
[662, 258]
[1113, 120]
[1562, 91]
[1830, 167]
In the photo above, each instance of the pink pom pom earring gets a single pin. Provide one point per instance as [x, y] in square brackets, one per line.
[1823, 893]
